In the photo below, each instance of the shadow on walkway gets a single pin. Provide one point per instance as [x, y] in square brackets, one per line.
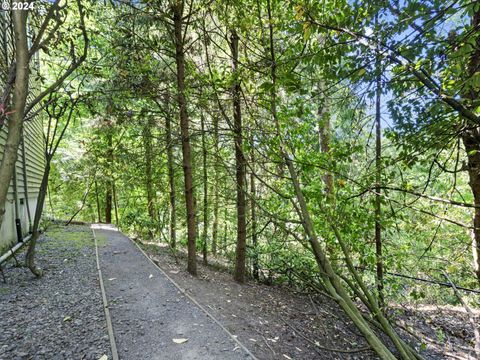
[151, 318]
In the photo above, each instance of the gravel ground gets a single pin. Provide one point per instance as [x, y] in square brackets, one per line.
[276, 321]
[151, 318]
[59, 316]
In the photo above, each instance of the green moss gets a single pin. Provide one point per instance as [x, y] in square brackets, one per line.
[4, 290]
[63, 238]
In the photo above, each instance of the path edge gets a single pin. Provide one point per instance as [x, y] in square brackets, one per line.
[111, 336]
[234, 338]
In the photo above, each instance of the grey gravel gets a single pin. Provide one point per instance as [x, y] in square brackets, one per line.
[148, 311]
[59, 316]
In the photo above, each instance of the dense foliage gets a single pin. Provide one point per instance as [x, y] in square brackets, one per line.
[375, 104]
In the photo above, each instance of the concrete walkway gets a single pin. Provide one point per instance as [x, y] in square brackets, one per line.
[151, 318]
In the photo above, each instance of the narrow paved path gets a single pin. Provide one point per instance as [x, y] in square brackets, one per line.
[148, 312]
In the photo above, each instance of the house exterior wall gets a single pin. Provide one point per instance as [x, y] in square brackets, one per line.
[34, 160]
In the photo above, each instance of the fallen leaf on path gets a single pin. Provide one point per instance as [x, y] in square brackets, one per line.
[67, 318]
[150, 276]
[180, 341]
[104, 357]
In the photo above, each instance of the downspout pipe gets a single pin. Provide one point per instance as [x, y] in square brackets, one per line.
[25, 182]
[14, 249]
[18, 222]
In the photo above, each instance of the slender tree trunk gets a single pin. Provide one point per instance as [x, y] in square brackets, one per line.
[18, 222]
[324, 135]
[205, 193]
[225, 226]
[99, 212]
[109, 184]
[171, 183]
[115, 203]
[215, 188]
[25, 184]
[239, 274]
[378, 178]
[324, 132]
[331, 280]
[108, 203]
[147, 143]
[184, 129]
[471, 140]
[253, 209]
[15, 123]
[30, 257]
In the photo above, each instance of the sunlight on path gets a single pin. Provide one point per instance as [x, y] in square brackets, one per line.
[151, 318]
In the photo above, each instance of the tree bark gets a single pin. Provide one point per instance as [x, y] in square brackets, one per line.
[239, 274]
[378, 178]
[215, 188]
[30, 256]
[205, 193]
[15, 123]
[147, 143]
[253, 209]
[471, 141]
[171, 182]
[184, 129]
[109, 184]
[115, 203]
[99, 212]
[324, 132]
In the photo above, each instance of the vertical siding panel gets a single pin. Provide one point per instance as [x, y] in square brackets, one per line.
[34, 148]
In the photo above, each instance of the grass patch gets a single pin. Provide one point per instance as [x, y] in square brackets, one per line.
[72, 237]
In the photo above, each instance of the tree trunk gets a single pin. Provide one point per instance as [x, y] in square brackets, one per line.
[30, 257]
[324, 131]
[239, 274]
[225, 226]
[171, 183]
[108, 203]
[215, 188]
[253, 194]
[378, 178]
[147, 143]
[205, 193]
[184, 129]
[99, 211]
[471, 140]
[329, 277]
[15, 123]
[115, 203]
[108, 193]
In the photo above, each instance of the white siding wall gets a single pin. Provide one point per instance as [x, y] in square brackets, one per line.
[34, 150]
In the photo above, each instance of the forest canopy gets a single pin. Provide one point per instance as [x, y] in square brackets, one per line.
[329, 145]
